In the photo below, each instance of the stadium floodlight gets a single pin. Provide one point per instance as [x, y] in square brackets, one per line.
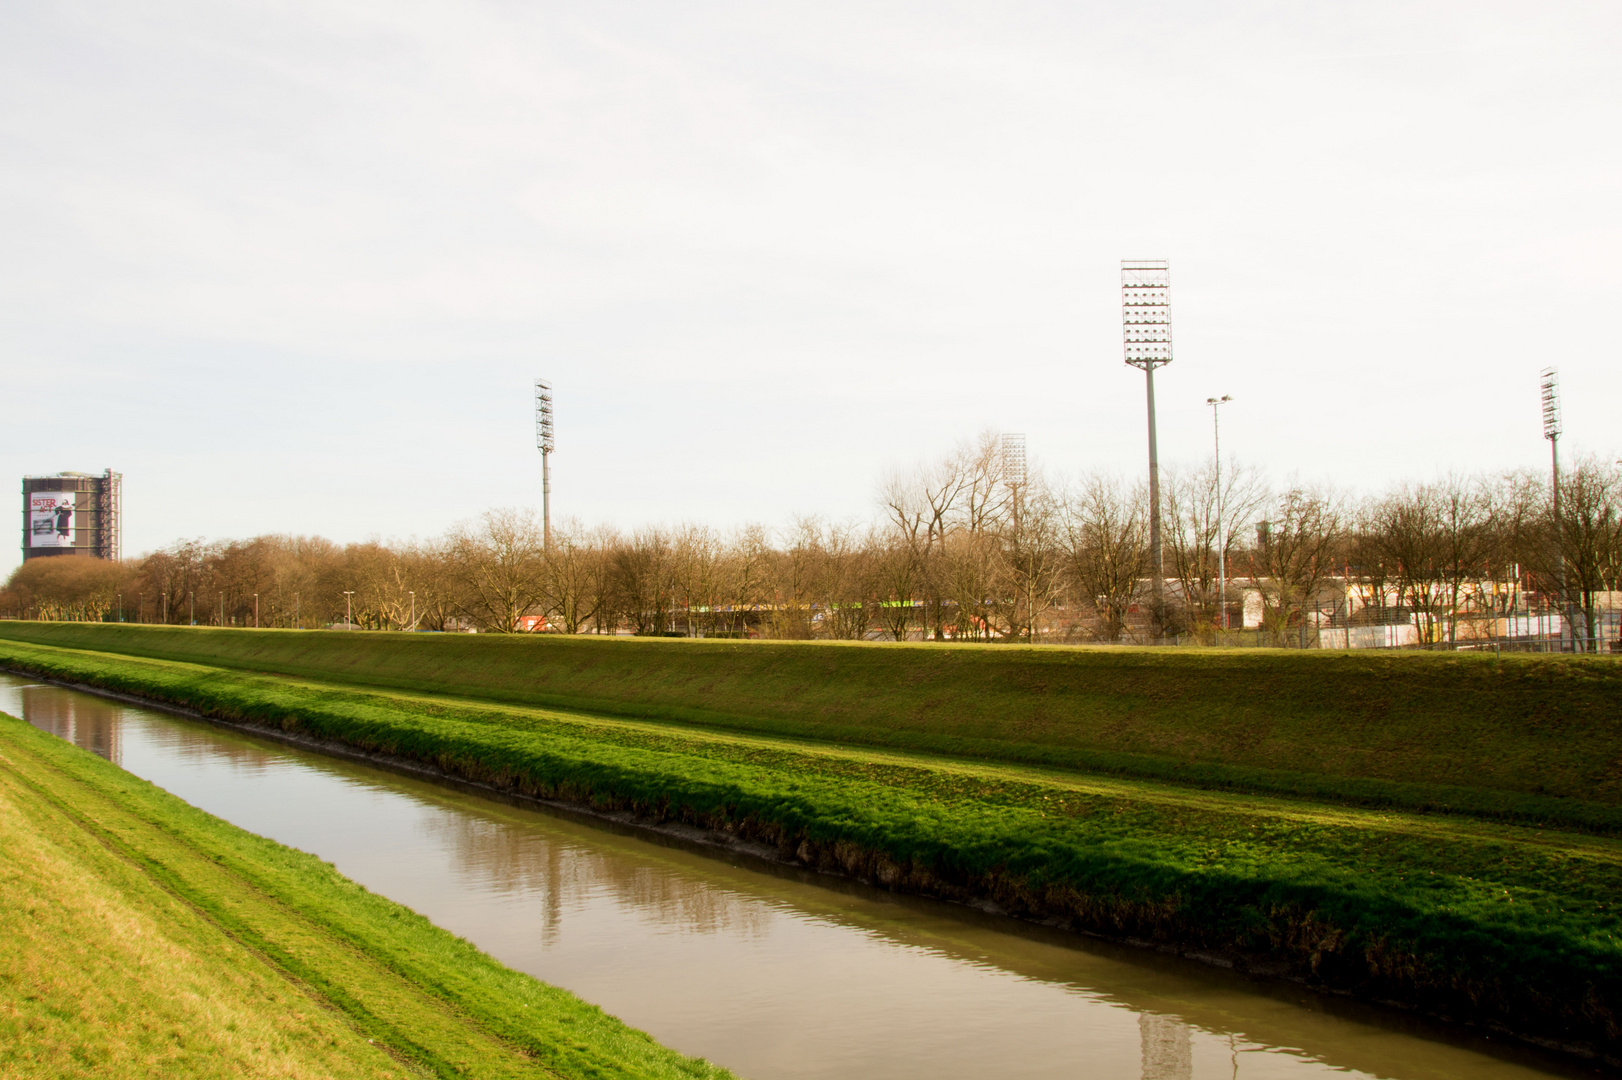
[1222, 545]
[1146, 326]
[543, 443]
[1551, 402]
[1013, 460]
[1549, 388]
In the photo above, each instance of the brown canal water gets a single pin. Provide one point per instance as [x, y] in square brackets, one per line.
[774, 973]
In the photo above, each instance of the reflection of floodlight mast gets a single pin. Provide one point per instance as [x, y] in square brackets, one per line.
[543, 443]
[1550, 387]
[1146, 322]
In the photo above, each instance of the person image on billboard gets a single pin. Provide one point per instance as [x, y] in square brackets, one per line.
[50, 519]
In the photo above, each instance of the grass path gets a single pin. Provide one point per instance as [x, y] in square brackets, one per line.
[142, 937]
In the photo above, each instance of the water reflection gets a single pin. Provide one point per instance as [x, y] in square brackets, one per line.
[85, 721]
[771, 971]
[495, 855]
[1168, 1048]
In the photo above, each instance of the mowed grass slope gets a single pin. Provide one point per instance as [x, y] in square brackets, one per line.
[142, 937]
[1520, 736]
[1480, 921]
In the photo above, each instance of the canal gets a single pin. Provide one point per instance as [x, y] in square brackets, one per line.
[775, 973]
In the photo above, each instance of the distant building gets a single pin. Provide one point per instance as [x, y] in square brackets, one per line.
[73, 513]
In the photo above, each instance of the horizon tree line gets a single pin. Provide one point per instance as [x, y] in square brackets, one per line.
[959, 549]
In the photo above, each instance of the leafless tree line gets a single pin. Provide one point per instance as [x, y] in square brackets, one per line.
[961, 549]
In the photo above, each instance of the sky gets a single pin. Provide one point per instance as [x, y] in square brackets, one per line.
[293, 266]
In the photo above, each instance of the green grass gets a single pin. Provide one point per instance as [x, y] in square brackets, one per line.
[1534, 739]
[1478, 920]
[142, 937]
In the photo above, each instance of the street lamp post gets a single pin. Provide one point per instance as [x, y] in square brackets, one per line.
[412, 624]
[349, 619]
[1146, 326]
[1222, 545]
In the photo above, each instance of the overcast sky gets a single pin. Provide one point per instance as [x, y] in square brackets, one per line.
[292, 267]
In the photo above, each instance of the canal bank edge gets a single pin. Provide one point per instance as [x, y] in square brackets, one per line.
[1529, 739]
[1303, 944]
[200, 949]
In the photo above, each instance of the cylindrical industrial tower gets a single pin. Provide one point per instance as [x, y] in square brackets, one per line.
[73, 513]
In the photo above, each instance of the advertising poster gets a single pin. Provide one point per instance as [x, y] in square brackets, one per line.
[50, 519]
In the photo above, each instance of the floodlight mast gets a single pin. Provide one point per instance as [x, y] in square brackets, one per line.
[1222, 542]
[1549, 386]
[1146, 326]
[543, 443]
[1014, 475]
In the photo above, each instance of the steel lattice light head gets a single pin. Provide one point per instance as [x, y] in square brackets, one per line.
[1146, 311]
[1013, 459]
[543, 416]
[1551, 403]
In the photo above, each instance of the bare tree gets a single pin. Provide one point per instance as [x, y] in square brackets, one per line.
[920, 507]
[1104, 534]
[849, 584]
[1588, 539]
[748, 580]
[697, 554]
[1198, 521]
[1031, 558]
[500, 561]
[1294, 555]
[574, 569]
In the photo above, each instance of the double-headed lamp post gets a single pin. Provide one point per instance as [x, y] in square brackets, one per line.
[1222, 544]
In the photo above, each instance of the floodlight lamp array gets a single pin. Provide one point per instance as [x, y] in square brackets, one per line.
[1551, 403]
[1146, 311]
[543, 416]
[1013, 459]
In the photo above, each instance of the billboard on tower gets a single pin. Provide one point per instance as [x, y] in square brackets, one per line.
[50, 519]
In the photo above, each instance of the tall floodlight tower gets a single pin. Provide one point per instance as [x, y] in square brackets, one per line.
[1549, 385]
[1222, 541]
[1146, 322]
[543, 443]
[1014, 475]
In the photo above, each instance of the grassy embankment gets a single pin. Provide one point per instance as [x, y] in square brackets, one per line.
[142, 937]
[1536, 739]
[1480, 920]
